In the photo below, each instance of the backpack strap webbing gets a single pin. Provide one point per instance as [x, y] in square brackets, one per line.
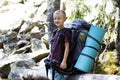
[46, 71]
[62, 31]
[47, 65]
[53, 73]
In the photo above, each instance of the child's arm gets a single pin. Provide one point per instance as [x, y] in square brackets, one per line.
[64, 61]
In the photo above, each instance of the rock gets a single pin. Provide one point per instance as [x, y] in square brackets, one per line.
[37, 35]
[19, 57]
[3, 3]
[26, 74]
[22, 71]
[26, 27]
[2, 39]
[9, 43]
[37, 44]
[93, 77]
[13, 15]
[20, 38]
[22, 50]
[22, 43]
[14, 1]
[23, 64]
[4, 71]
[2, 54]
[45, 40]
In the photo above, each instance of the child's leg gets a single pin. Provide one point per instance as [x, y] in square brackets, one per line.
[57, 76]
[50, 74]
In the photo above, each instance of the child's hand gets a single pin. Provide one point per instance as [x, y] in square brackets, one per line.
[63, 65]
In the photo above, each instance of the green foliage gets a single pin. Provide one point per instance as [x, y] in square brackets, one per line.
[103, 19]
[79, 9]
[108, 64]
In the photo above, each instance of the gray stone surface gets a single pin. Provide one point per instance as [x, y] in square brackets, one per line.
[93, 77]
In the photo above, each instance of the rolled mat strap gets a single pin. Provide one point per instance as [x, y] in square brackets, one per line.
[92, 47]
[94, 39]
[87, 56]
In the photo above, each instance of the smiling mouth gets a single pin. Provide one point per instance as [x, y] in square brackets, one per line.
[57, 23]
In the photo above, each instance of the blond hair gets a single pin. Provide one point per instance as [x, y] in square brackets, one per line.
[60, 11]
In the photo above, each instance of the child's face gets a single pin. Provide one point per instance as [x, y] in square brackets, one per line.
[59, 19]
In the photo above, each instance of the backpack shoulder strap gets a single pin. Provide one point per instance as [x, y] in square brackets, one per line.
[62, 31]
[54, 31]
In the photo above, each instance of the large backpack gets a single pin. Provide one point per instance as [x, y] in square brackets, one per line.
[79, 32]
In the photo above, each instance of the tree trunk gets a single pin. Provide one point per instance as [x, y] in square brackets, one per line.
[117, 26]
[52, 5]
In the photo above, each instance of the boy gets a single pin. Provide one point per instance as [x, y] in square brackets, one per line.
[58, 52]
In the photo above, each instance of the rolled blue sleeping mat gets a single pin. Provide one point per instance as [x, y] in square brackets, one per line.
[86, 59]
[90, 51]
[95, 37]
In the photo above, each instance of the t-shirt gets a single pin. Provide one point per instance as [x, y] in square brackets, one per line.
[58, 46]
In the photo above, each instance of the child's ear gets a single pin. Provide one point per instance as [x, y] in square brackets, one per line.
[66, 18]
